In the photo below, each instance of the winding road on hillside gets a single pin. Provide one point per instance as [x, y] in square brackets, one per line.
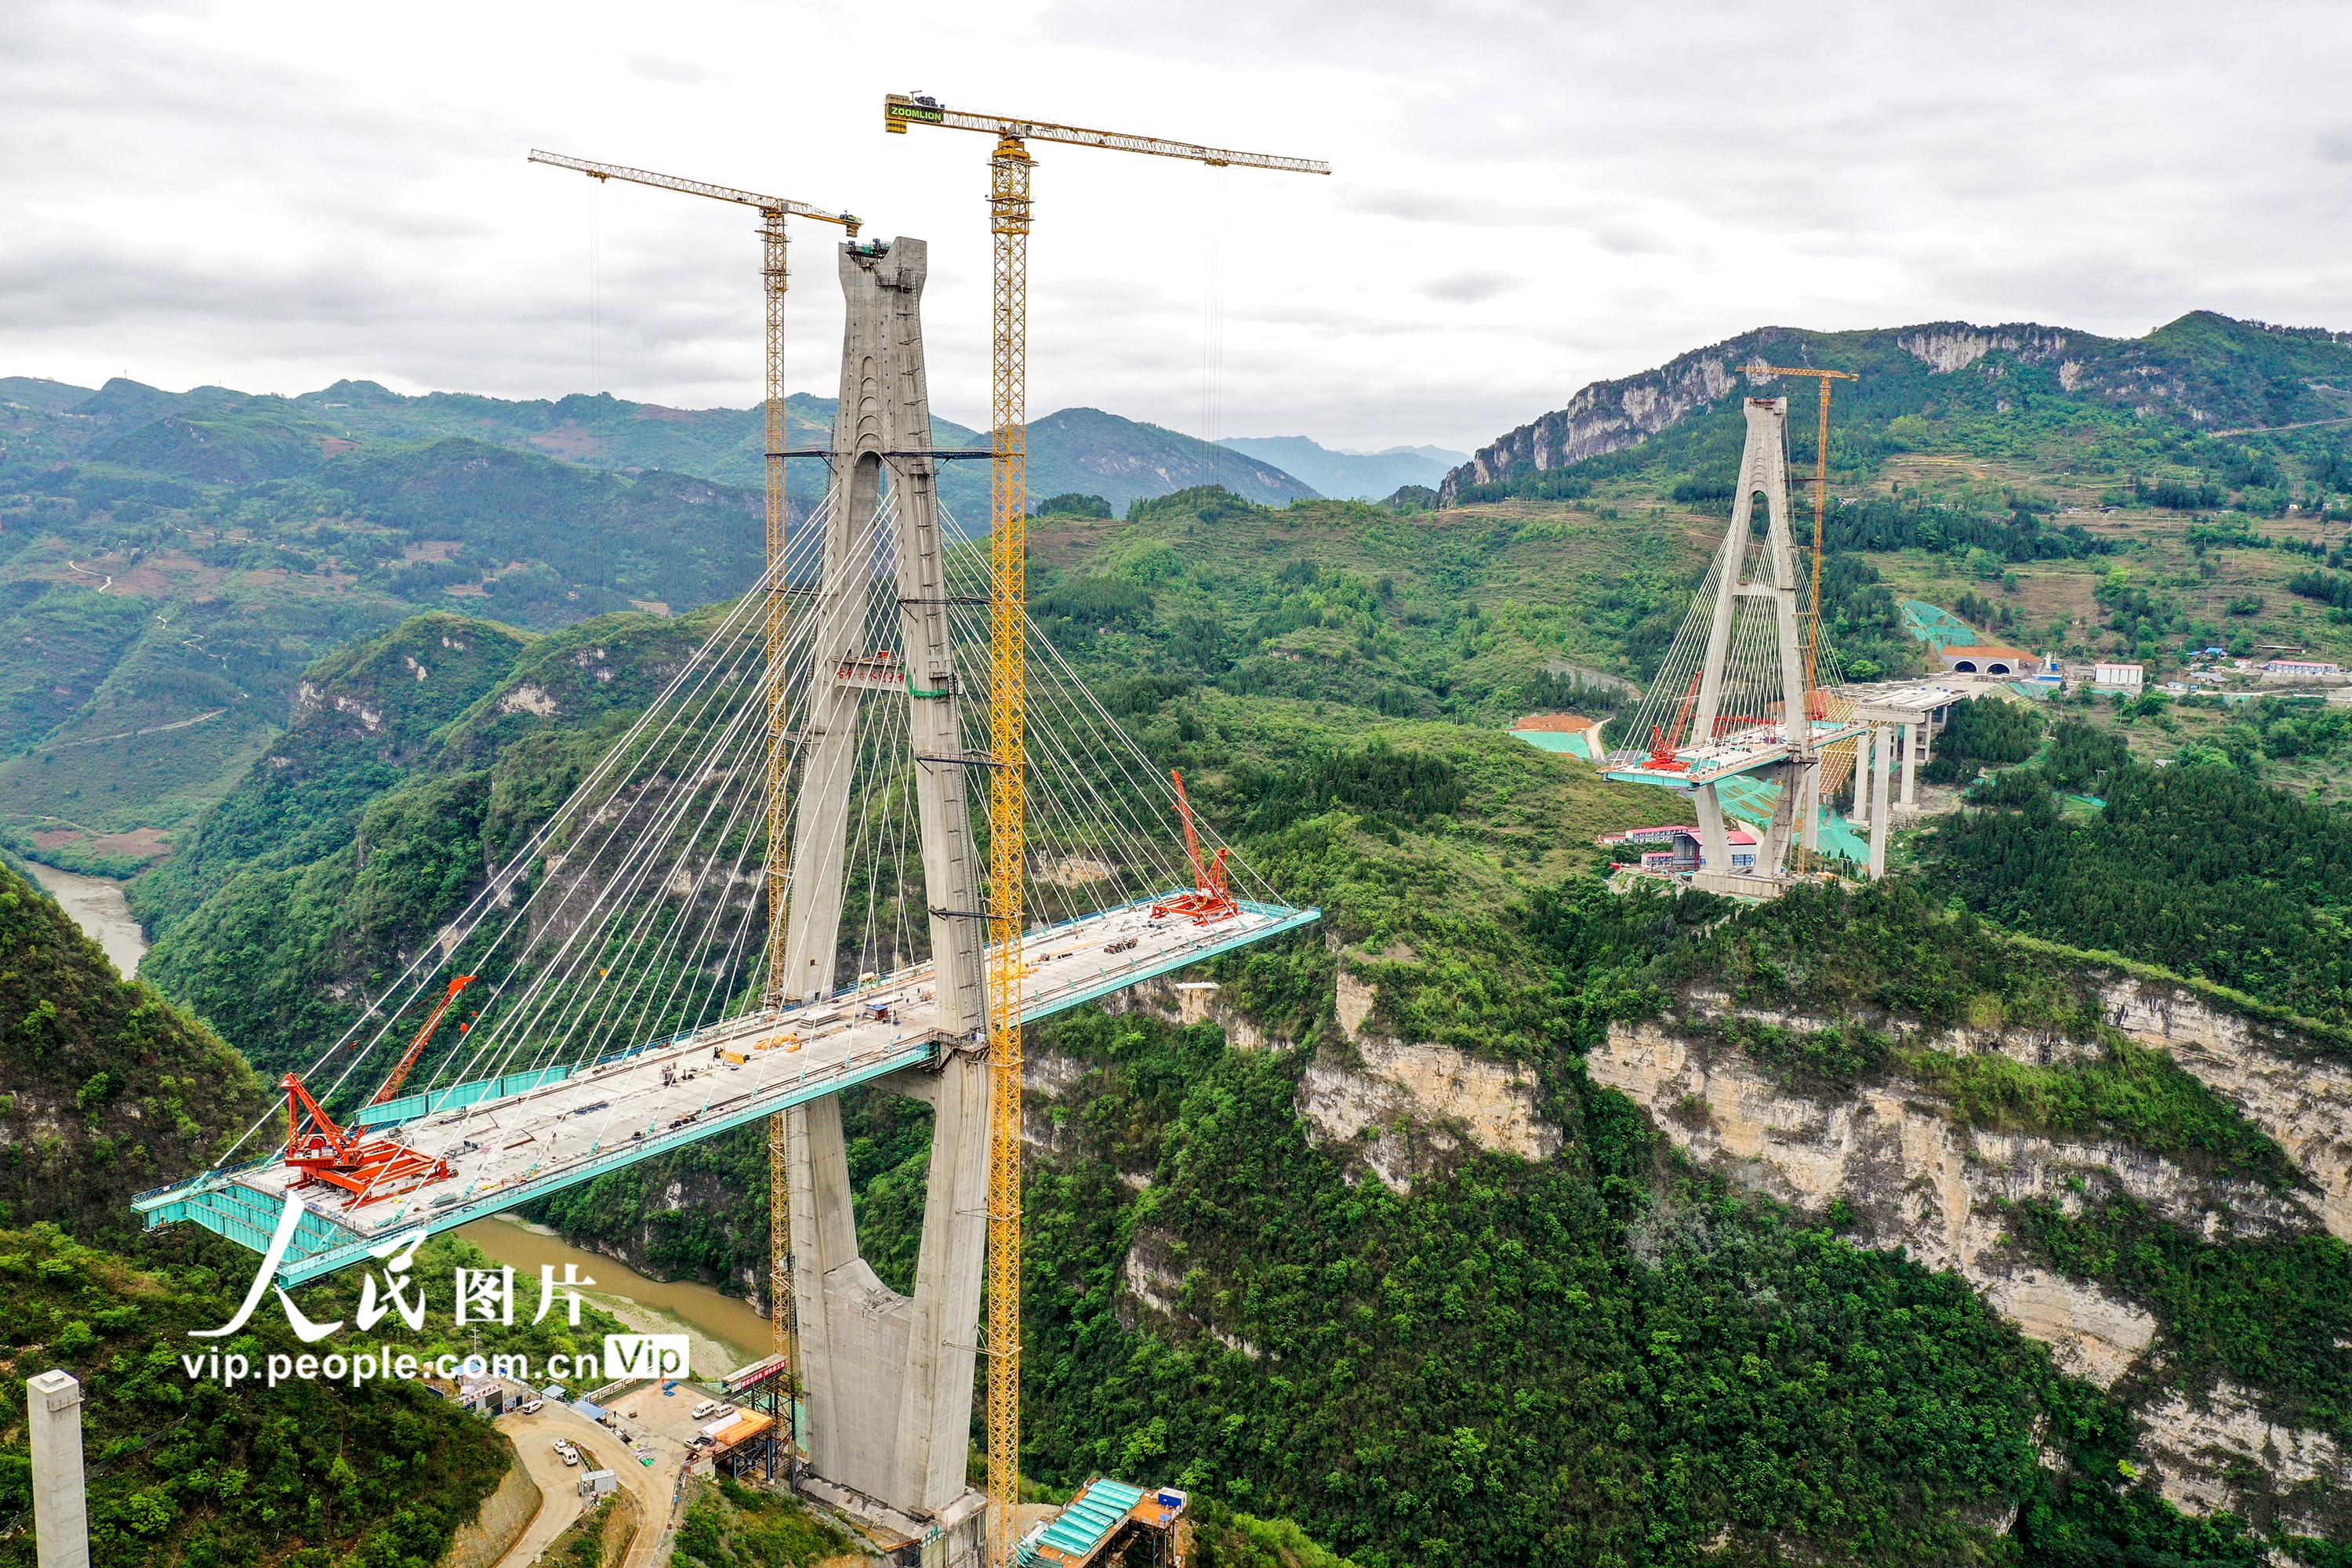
[655, 1486]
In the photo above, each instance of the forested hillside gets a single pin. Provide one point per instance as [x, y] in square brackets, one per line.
[169, 563]
[2023, 391]
[1371, 1247]
[168, 566]
[105, 1088]
[1995, 1214]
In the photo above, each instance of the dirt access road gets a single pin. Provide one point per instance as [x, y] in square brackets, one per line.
[662, 1430]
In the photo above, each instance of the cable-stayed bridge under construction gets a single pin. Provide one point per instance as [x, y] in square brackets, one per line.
[624, 990]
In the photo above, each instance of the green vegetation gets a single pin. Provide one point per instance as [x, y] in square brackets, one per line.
[2332, 589]
[1072, 504]
[2195, 867]
[598, 1537]
[1983, 734]
[2270, 1315]
[1512, 1358]
[2066, 400]
[170, 565]
[105, 1087]
[2126, 1090]
[1226, 1538]
[732, 1526]
[170, 562]
[188, 1471]
[1604, 1355]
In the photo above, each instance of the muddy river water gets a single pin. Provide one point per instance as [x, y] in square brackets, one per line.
[97, 905]
[726, 1332]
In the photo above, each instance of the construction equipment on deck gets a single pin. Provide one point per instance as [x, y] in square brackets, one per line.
[1212, 896]
[371, 1169]
[1009, 170]
[773, 211]
[399, 1074]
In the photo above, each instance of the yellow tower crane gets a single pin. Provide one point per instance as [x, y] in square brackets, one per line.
[1009, 169]
[773, 211]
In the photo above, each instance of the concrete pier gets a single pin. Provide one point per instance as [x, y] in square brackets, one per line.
[1882, 769]
[60, 1508]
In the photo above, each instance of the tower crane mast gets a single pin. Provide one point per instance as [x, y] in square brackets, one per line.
[1009, 170]
[774, 213]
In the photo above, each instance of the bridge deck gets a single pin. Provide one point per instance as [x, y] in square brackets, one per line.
[1742, 751]
[557, 1128]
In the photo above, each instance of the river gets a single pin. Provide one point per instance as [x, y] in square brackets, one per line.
[97, 906]
[726, 1332]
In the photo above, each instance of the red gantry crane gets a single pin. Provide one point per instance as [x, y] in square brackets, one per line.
[1211, 897]
[370, 1167]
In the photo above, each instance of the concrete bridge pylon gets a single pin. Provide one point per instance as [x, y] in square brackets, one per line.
[1753, 647]
[888, 1377]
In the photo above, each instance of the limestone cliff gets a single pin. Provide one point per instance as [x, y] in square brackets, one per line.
[1393, 1107]
[1891, 1159]
[2299, 1094]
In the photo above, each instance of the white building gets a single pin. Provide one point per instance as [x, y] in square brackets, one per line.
[2119, 676]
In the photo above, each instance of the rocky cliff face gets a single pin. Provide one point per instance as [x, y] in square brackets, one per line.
[1395, 1108]
[2290, 1089]
[1905, 1170]
[1608, 416]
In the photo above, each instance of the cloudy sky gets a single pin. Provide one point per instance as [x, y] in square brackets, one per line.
[1527, 196]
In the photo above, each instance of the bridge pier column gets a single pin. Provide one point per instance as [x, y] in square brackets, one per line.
[61, 1510]
[1714, 843]
[889, 1377]
[1915, 740]
[1881, 812]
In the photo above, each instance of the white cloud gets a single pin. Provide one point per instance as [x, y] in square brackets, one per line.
[1473, 288]
[660, 67]
[272, 195]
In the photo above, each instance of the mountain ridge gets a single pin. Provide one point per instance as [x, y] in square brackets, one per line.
[219, 434]
[1349, 476]
[2203, 370]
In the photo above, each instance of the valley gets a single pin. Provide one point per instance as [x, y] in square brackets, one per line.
[1992, 1213]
